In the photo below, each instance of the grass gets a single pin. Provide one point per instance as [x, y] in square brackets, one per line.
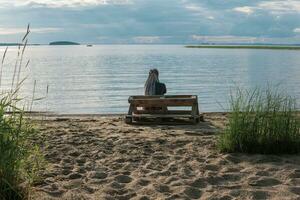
[246, 47]
[20, 160]
[261, 121]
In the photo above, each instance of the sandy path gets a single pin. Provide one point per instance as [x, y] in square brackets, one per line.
[103, 158]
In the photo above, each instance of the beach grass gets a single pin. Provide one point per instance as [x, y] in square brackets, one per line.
[20, 160]
[274, 47]
[261, 121]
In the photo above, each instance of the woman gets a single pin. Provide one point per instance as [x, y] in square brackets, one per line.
[153, 86]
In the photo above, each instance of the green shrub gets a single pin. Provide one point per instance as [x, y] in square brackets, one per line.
[20, 160]
[261, 121]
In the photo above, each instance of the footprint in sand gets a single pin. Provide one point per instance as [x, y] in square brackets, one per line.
[192, 193]
[175, 197]
[123, 179]
[121, 194]
[74, 175]
[79, 169]
[232, 159]
[117, 185]
[171, 179]
[211, 167]
[143, 182]
[173, 168]
[53, 190]
[74, 153]
[237, 192]
[72, 184]
[143, 198]
[264, 182]
[97, 175]
[199, 183]
[162, 188]
[215, 180]
[232, 177]
[262, 173]
[66, 171]
[259, 195]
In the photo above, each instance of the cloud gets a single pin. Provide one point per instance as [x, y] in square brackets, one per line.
[146, 39]
[14, 31]
[150, 21]
[274, 7]
[297, 30]
[281, 6]
[199, 11]
[194, 7]
[225, 38]
[63, 3]
[245, 9]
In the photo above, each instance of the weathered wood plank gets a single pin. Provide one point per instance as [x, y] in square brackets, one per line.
[163, 102]
[162, 96]
[162, 116]
[174, 112]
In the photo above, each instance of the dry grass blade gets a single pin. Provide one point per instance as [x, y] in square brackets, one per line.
[33, 93]
[15, 69]
[21, 60]
[2, 62]
[47, 91]
[4, 55]
[27, 63]
[27, 33]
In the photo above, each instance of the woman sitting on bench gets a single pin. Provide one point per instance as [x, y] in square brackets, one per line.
[153, 86]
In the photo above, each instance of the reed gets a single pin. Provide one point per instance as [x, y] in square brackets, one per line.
[20, 160]
[261, 121]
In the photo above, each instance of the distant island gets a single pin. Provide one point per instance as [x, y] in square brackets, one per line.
[63, 43]
[16, 44]
[9, 44]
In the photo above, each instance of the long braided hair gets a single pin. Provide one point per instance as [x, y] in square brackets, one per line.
[151, 82]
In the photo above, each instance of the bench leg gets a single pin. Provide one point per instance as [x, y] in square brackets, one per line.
[128, 118]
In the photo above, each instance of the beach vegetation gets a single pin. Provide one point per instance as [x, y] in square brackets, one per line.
[261, 121]
[20, 159]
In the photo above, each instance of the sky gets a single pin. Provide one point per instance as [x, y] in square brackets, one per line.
[151, 21]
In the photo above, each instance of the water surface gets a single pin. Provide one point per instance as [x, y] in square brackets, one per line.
[99, 79]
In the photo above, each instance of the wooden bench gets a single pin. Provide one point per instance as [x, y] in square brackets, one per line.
[160, 109]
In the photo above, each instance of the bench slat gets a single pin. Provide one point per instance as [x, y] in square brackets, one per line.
[163, 102]
[162, 96]
[168, 112]
[161, 116]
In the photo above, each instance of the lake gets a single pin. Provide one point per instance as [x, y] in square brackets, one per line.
[99, 79]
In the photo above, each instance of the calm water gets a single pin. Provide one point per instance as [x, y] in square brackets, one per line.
[99, 79]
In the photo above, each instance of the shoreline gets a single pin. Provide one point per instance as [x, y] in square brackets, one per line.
[50, 114]
[271, 47]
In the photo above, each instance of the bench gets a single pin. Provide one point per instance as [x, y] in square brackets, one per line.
[160, 109]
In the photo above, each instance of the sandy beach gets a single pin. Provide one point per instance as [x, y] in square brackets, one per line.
[101, 157]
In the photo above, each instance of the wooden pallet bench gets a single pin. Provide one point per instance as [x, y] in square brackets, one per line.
[163, 109]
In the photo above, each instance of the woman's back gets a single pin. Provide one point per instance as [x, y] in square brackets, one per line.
[153, 86]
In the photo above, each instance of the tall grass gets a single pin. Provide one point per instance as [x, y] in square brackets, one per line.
[261, 121]
[20, 160]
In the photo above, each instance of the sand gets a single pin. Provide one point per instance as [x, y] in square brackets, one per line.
[94, 157]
